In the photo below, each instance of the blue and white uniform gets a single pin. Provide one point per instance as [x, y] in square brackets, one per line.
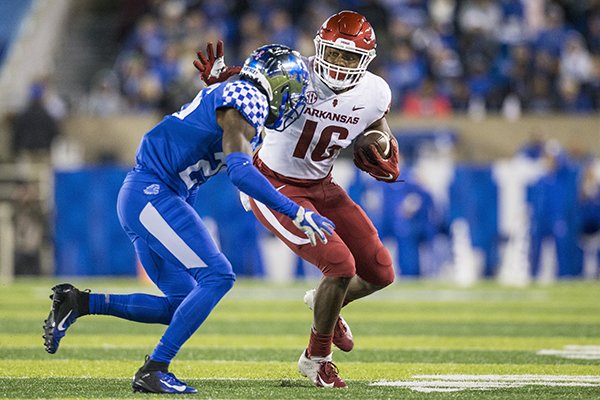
[155, 208]
[185, 149]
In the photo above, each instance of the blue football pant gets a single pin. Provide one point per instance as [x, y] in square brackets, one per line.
[180, 257]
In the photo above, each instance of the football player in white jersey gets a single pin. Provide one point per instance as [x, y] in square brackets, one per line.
[344, 100]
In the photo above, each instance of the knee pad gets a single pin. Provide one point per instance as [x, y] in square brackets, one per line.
[337, 261]
[380, 271]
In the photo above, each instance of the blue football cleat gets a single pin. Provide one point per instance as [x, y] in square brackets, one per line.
[159, 382]
[66, 307]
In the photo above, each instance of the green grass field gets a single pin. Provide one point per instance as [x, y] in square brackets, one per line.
[414, 340]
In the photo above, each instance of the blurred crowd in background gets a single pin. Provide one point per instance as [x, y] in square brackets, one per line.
[439, 56]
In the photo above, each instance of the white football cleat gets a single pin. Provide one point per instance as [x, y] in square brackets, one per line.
[342, 335]
[321, 371]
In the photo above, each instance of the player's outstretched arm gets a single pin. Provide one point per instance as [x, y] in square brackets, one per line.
[212, 67]
[237, 133]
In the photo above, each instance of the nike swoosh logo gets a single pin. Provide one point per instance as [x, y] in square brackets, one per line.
[355, 108]
[322, 382]
[280, 187]
[61, 324]
[179, 388]
[388, 176]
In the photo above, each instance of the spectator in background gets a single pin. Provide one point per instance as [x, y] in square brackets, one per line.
[404, 73]
[478, 21]
[459, 96]
[34, 128]
[414, 223]
[541, 99]
[104, 98]
[593, 33]
[554, 219]
[445, 67]
[251, 30]
[30, 223]
[281, 28]
[147, 39]
[445, 37]
[141, 87]
[575, 60]
[480, 83]
[552, 36]
[168, 68]
[573, 99]
[427, 101]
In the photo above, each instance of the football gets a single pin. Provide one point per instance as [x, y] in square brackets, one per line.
[380, 139]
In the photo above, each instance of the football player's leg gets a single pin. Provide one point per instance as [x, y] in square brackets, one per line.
[333, 259]
[137, 216]
[174, 281]
[337, 265]
[178, 235]
[374, 268]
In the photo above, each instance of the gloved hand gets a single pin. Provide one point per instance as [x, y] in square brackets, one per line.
[213, 69]
[313, 224]
[386, 170]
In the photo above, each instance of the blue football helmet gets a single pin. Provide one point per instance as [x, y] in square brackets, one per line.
[282, 75]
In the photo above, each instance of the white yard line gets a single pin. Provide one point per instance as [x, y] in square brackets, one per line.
[453, 383]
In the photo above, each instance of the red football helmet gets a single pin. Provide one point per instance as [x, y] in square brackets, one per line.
[348, 31]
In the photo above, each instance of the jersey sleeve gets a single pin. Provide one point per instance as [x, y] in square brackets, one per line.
[248, 100]
[384, 97]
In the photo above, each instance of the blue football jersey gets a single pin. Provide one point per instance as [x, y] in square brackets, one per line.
[185, 148]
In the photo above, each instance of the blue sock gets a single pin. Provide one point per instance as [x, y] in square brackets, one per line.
[188, 317]
[133, 307]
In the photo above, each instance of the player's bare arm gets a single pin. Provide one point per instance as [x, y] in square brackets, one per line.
[237, 132]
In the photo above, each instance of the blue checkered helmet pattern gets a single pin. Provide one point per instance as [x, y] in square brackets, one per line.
[282, 75]
[248, 100]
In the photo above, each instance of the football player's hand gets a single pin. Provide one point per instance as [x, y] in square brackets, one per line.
[313, 225]
[382, 169]
[212, 67]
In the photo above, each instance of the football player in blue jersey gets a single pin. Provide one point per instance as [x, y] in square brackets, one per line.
[219, 129]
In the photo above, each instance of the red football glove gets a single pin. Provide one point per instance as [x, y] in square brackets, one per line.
[386, 170]
[213, 69]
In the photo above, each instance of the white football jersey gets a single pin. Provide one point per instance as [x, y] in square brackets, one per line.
[330, 122]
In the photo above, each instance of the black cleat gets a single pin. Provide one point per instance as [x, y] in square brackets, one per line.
[67, 304]
[159, 382]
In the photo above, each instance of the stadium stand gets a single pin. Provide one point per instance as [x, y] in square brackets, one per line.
[466, 100]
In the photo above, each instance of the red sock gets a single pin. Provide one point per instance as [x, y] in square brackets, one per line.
[319, 344]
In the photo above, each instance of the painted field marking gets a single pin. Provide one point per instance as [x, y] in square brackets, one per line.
[573, 352]
[455, 383]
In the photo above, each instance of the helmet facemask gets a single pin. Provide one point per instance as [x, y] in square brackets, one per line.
[339, 77]
[287, 102]
[346, 32]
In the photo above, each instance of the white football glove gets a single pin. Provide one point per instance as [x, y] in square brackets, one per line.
[313, 224]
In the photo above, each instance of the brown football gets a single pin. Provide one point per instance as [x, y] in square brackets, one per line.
[380, 139]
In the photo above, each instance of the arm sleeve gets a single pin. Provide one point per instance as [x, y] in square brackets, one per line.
[250, 181]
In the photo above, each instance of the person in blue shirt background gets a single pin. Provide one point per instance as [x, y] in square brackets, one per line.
[220, 128]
